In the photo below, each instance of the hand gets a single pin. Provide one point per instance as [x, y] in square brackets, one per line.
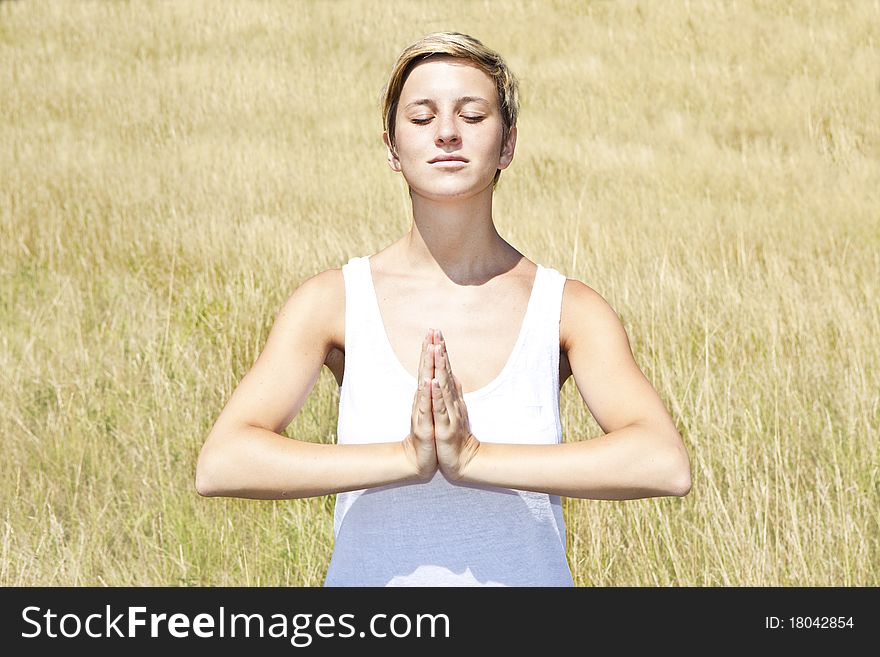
[419, 444]
[455, 443]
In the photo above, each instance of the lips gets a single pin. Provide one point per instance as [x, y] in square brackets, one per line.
[447, 158]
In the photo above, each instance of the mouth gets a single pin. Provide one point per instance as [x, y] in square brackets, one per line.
[448, 159]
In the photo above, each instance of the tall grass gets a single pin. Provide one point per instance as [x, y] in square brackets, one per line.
[170, 172]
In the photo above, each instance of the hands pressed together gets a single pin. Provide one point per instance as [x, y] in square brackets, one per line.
[440, 435]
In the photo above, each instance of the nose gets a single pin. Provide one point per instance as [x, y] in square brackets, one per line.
[447, 130]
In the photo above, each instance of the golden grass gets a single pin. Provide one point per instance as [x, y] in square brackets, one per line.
[171, 171]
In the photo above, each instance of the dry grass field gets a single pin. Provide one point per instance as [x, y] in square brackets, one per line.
[171, 171]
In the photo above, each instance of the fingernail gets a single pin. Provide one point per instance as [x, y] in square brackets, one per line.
[439, 334]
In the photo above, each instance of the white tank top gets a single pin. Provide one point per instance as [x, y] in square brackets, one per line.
[438, 533]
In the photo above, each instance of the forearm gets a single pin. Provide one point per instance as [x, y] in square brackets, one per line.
[256, 463]
[629, 463]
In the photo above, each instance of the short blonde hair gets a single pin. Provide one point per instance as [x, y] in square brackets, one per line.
[462, 46]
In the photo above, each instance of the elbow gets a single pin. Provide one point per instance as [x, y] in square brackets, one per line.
[212, 466]
[207, 477]
[204, 485]
[679, 473]
[669, 463]
[681, 485]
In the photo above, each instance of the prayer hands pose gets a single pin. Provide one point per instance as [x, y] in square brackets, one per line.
[440, 435]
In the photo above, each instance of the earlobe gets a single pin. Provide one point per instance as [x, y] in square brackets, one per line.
[393, 161]
[508, 149]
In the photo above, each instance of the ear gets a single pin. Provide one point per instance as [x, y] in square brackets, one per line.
[393, 162]
[507, 150]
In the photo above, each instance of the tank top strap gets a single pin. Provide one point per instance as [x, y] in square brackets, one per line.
[553, 317]
[538, 363]
[545, 316]
[361, 315]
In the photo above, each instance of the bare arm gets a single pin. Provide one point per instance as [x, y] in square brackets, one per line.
[641, 453]
[246, 456]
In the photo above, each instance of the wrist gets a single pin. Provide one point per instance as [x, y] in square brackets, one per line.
[469, 450]
[414, 467]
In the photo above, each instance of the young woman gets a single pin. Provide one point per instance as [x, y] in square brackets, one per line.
[450, 348]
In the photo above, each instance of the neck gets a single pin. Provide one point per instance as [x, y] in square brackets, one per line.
[457, 238]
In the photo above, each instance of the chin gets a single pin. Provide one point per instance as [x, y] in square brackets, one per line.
[448, 190]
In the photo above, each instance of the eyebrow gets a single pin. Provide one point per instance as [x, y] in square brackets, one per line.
[458, 101]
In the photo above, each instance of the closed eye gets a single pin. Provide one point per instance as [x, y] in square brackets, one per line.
[470, 119]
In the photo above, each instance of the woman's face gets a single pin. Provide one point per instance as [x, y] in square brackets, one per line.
[449, 108]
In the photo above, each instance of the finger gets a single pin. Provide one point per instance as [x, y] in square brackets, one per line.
[435, 346]
[420, 373]
[427, 371]
[442, 341]
[425, 394]
[425, 356]
[426, 412]
[438, 404]
[444, 360]
[443, 374]
[447, 382]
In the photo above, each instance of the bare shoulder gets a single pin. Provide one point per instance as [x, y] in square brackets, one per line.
[319, 301]
[328, 282]
[605, 371]
[275, 388]
[587, 318]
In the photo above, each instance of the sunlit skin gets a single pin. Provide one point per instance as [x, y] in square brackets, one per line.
[447, 272]
[448, 107]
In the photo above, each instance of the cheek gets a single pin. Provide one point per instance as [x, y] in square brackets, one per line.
[497, 139]
[407, 141]
[486, 138]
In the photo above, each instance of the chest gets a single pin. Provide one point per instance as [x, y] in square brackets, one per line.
[481, 324]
